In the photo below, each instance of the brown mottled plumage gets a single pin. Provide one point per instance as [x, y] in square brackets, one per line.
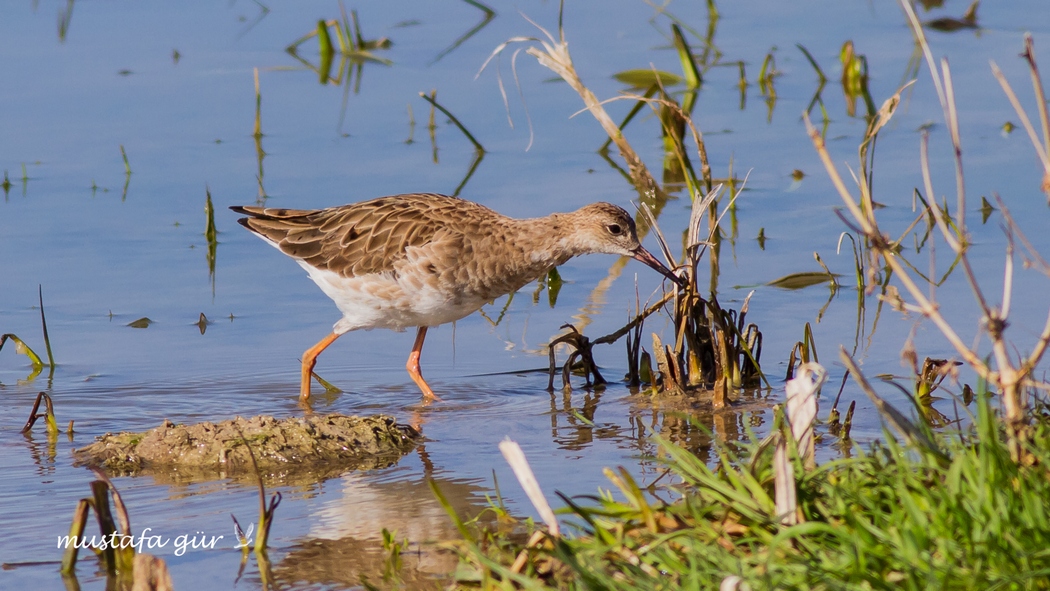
[425, 259]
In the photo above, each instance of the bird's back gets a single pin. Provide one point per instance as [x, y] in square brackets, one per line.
[367, 237]
[399, 261]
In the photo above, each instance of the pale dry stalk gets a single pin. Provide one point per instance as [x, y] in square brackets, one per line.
[1010, 378]
[555, 56]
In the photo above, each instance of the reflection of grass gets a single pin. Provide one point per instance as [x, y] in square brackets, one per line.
[488, 13]
[353, 49]
[479, 150]
[65, 17]
[257, 135]
[127, 173]
[433, 101]
[211, 235]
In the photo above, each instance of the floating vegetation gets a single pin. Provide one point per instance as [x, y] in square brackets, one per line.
[296, 449]
[553, 283]
[986, 210]
[804, 280]
[479, 150]
[643, 79]
[353, 48]
[949, 24]
[202, 323]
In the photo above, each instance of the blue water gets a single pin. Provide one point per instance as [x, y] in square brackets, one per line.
[106, 256]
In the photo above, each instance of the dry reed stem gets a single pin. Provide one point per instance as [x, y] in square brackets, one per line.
[1007, 377]
[1043, 151]
[1037, 83]
[786, 501]
[556, 58]
[516, 458]
[880, 245]
[945, 96]
[801, 407]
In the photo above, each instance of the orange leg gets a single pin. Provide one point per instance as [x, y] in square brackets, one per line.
[309, 360]
[413, 366]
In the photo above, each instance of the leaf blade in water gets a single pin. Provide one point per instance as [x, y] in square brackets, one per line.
[140, 323]
[645, 78]
[803, 280]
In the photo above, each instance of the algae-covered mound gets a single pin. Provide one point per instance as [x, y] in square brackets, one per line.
[314, 447]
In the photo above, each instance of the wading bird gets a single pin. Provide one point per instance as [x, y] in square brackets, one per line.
[424, 259]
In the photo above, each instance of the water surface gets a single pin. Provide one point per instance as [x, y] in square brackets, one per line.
[109, 249]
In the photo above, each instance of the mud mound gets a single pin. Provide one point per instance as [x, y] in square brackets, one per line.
[297, 448]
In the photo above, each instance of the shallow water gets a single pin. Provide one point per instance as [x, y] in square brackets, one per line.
[106, 256]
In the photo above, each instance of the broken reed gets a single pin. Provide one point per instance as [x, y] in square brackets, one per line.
[116, 558]
[125, 567]
[48, 415]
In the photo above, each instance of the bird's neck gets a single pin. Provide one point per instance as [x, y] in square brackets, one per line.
[553, 239]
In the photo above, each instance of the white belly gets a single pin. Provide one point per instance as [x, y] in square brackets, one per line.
[381, 301]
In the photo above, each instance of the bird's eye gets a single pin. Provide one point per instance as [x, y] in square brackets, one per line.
[614, 229]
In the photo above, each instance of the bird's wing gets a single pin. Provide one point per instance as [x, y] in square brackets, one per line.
[355, 239]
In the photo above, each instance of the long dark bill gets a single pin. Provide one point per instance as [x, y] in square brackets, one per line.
[646, 257]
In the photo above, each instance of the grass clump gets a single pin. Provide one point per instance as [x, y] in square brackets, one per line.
[897, 515]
